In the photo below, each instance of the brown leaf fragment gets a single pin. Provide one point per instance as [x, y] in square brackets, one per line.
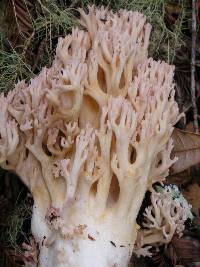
[161, 260]
[139, 262]
[172, 11]
[184, 251]
[197, 222]
[187, 149]
[181, 179]
[192, 193]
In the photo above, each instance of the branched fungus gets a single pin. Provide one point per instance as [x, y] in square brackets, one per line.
[89, 136]
[165, 217]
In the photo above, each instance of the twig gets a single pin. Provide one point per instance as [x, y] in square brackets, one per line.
[40, 52]
[193, 59]
[15, 14]
[43, 6]
[74, 3]
[27, 43]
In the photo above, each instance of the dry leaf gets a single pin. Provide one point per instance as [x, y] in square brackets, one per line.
[182, 179]
[172, 11]
[192, 194]
[161, 260]
[184, 250]
[138, 262]
[187, 149]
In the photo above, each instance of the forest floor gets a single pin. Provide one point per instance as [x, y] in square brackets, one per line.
[29, 30]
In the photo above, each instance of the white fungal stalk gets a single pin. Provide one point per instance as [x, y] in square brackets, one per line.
[89, 137]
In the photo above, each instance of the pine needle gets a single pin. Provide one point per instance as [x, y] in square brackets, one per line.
[12, 68]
